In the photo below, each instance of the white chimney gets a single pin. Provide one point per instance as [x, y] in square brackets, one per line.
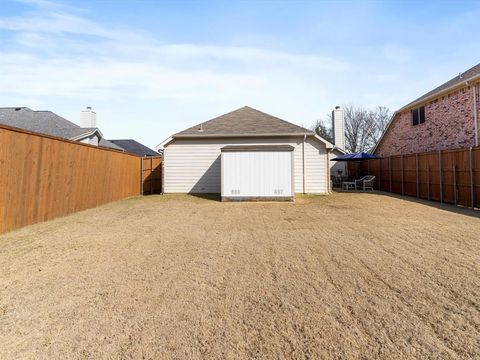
[88, 118]
[338, 127]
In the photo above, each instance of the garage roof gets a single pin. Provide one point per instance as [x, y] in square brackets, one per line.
[243, 122]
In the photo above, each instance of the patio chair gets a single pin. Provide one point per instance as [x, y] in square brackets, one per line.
[365, 183]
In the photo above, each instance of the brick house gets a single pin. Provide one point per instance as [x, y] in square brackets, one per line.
[444, 118]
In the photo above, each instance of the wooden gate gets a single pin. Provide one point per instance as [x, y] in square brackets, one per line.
[151, 175]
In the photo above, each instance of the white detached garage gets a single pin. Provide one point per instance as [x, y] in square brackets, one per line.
[250, 148]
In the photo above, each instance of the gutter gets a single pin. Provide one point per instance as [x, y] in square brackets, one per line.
[164, 143]
[214, 136]
[475, 114]
[328, 185]
[202, 136]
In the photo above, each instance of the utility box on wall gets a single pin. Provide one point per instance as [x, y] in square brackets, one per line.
[257, 172]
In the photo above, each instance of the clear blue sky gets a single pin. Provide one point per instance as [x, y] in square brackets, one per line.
[152, 68]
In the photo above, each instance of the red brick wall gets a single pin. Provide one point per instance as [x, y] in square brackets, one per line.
[448, 125]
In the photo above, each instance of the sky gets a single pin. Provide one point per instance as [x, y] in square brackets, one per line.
[153, 68]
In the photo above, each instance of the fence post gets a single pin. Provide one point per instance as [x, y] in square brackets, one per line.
[454, 185]
[141, 176]
[416, 171]
[379, 172]
[163, 175]
[428, 182]
[151, 172]
[440, 175]
[390, 172]
[401, 169]
[472, 192]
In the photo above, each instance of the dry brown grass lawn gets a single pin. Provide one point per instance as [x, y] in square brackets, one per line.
[177, 277]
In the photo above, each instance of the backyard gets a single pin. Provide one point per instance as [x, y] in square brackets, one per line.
[350, 275]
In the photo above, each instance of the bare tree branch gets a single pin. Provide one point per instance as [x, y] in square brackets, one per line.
[323, 128]
[363, 127]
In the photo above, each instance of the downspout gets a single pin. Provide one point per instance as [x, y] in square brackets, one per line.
[303, 160]
[328, 170]
[475, 115]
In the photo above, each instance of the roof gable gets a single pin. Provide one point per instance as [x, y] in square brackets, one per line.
[244, 122]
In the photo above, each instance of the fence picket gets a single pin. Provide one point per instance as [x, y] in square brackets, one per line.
[454, 185]
[440, 175]
[402, 174]
[416, 174]
[390, 172]
[428, 183]
[472, 190]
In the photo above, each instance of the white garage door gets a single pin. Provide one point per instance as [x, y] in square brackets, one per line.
[257, 172]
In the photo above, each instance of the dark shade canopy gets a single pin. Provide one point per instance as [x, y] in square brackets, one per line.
[355, 157]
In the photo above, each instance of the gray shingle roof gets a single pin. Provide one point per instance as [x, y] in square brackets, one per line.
[134, 147]
[48, 123]
[44, 122]
[243, 122]
[459, 79]
[108, 144]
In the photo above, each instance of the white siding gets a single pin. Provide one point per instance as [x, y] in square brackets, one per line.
[92, 140]
[257, 174]
[193, 165]
[315, 167]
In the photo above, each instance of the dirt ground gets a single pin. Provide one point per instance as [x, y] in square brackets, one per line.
[346, 276]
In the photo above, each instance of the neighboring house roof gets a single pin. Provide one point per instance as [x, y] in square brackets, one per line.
[45, 122]
[134, 147]
[245, 121]
[108, 144]
[452, 84]
[460, 79]
[48, 123]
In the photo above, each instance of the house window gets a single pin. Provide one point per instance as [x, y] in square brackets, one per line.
[418, 115]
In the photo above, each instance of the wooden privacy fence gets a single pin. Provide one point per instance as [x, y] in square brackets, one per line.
[43, 177]
[151, 168]
[451, 176]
